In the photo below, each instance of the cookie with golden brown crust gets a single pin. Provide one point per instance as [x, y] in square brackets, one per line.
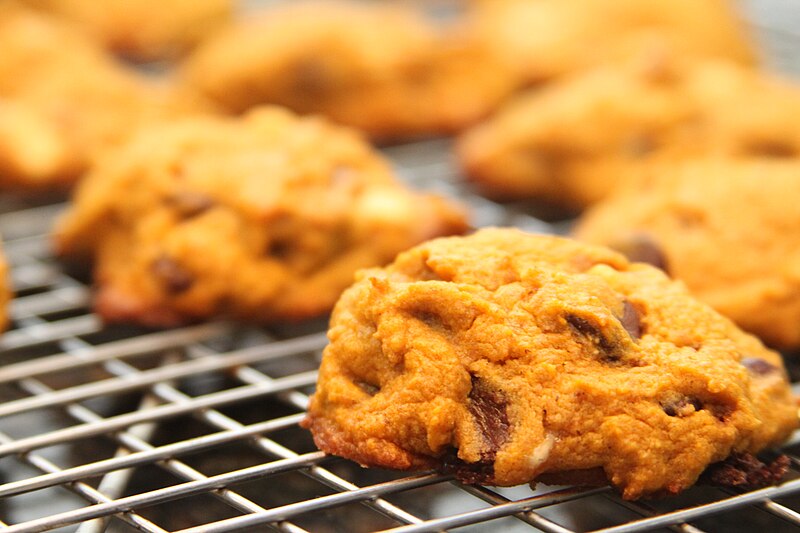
[63, 100]
[726, 227]
[383, 69]
[546, 39]
[263, 218]
[575, 141]
[144, 29]
[506, 357]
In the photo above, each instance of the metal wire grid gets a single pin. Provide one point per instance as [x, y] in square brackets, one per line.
[195, 429]
[89, 412]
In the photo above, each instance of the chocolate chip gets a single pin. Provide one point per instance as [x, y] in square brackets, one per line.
[431, 319]
[630, 320]
[759, 367]
[611, 349]
[311, 78]
[488, 408]
[369, 388]
[745, 471]
[682, 406]
[471, 473]
[190, 204]
[642, 248]
[176, 278]
[771, 148]
[279, 248]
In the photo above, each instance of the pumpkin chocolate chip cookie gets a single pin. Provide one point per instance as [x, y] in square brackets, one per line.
[144, 29]
[63, 100]
[545, 39]
[383, 69]
[728, 228]
[264, 218]
[506, 358]
[575, 141]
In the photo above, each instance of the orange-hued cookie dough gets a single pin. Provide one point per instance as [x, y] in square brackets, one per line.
[546, 39]
[506, 357]
[263, 218]
[143, 29]
[728, 228]
[574, 142]
[383, 69]
[63, 100]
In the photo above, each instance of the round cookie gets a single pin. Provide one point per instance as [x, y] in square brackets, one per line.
[574, 142]
[546, 39]
[63, 100]
[728, 228]
[264, 218]
[383, 69]
[143, 29]
[506, 357]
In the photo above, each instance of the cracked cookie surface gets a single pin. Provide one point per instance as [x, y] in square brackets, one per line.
[574, 142]
[728, 228]
[505, 357]
[383, 69]
[264, 218]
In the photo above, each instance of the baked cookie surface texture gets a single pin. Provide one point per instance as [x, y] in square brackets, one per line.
[545, 39]
[143, 29]
[383, 69]
[572, 143]
[505, 357]
[263, 218]
[728, 228]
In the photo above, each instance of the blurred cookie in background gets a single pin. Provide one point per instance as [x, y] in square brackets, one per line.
[547, 39]
[384, 69]
[264, 218]
[143, 29]
[63, 100]
[573, 142]
[728, 228]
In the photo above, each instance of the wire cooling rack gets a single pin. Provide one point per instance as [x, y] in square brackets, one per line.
[195, 429]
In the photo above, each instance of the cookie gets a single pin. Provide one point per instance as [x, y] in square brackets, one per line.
[546, 39]
[63, 100]
[263, 218]
[382, 69]
[505, 358]
[144, 29]
[728, 228]
[575, 141]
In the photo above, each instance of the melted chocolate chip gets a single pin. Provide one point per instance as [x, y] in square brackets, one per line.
[175, 278]
[279, 248]
[641, 248]
[759, 367]
[772, 148]
[745, 471]
[190, 204]
[611, 349]
[311, 78]
[488, 408]
[630, 320]
[369, 388]
[471, 473]
[682, 406]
